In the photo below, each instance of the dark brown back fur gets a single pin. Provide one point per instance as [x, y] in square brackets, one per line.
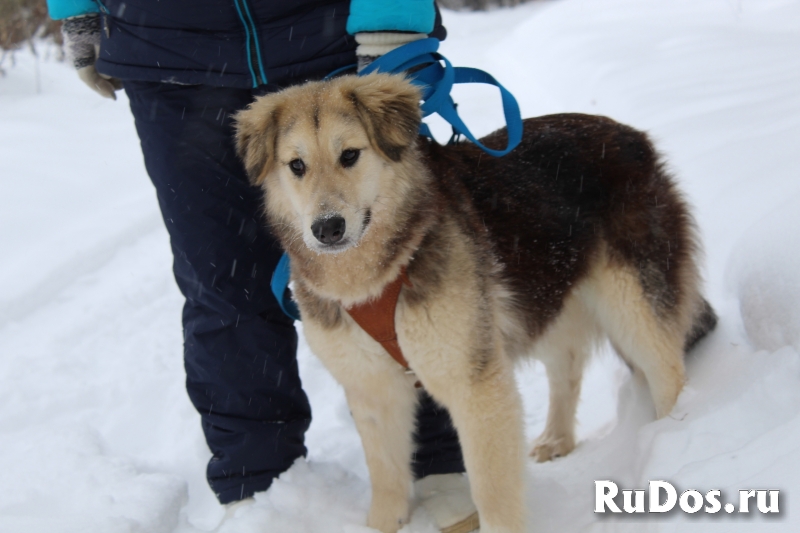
[574, 182]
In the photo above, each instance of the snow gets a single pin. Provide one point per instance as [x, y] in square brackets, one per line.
[97, 432]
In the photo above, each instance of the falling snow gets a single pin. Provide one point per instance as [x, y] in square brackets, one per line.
[97, 433]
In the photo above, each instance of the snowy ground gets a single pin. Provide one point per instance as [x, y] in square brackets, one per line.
[97, 434]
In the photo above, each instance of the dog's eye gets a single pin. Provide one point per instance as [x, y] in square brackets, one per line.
[298, 167]
[349, 157]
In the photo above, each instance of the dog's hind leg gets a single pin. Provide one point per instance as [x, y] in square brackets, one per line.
[564, 349]
[564, 374]
[650, 343]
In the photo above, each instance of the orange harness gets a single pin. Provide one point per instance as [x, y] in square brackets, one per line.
[376, 317]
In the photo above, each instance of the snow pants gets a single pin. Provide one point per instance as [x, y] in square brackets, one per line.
[239, 348]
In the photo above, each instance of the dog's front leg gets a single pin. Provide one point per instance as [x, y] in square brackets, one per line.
[383, 410]
[383, 402]
[486, 409]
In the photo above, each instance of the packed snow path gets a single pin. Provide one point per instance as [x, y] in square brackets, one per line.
[97, 434]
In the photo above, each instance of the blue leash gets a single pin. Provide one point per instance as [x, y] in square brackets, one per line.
[280, 288]
[435, 81]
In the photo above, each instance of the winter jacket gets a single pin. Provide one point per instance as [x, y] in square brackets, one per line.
[240, 43]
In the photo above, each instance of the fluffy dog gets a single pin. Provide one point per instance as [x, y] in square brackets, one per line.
[578, 235]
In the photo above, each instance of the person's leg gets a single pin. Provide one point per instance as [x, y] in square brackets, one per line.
[239, 349]
[438, 450]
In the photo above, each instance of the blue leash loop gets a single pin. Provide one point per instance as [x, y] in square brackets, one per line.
[435, 81]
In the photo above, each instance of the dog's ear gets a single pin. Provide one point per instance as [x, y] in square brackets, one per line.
[256, 136]
[388, 106]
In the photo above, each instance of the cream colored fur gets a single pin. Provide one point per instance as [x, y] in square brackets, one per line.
[608, 303]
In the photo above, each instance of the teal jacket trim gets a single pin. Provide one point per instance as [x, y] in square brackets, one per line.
[63, 9]
[391, 15]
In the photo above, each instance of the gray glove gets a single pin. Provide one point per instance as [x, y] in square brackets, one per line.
[372, 45]
[82, 44]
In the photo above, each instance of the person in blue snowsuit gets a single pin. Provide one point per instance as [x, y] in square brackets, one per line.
[186, 67]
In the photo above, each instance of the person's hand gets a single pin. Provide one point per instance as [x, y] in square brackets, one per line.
[372, 45]
[82, 44]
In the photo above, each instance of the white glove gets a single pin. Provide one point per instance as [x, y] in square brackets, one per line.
[82, 44]
[372, 45]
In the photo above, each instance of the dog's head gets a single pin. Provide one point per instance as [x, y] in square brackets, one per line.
[327, 155]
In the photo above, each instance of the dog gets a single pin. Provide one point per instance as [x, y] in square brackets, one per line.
[579, 234]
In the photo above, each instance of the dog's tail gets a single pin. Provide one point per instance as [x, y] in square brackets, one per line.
[705, 320]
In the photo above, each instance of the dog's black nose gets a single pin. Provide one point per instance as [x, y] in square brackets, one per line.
[328, 230]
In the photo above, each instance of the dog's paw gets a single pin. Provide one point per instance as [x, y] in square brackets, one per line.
[388, 516]
[386, 524]
[548, 447]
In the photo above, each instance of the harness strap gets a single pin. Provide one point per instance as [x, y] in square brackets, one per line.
[376, 317]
